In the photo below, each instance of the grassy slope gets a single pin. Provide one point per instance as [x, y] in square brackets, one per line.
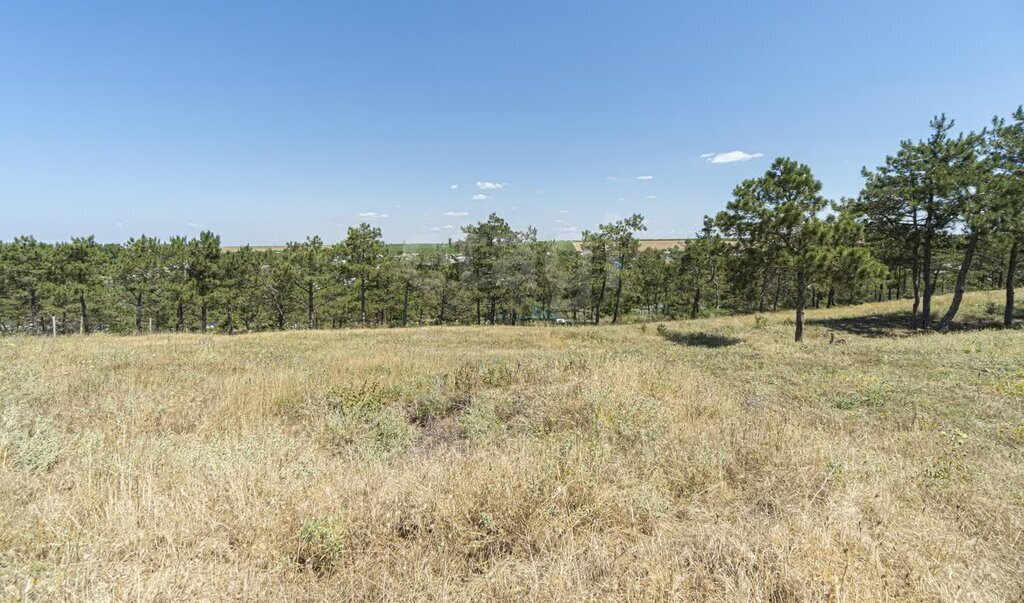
[704, 459]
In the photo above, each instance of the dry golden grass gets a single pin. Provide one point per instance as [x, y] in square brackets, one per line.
[701, 460]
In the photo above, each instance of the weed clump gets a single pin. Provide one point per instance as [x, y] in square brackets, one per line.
[322, 542]
[28, 444]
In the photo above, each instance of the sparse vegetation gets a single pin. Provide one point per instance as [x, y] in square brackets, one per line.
[710, 459]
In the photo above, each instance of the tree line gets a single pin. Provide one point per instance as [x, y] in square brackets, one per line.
[940, 214]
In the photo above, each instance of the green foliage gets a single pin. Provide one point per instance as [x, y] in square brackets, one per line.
[941, 214]
[322, 541]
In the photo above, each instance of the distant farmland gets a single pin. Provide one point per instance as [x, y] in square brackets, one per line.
[662, 244]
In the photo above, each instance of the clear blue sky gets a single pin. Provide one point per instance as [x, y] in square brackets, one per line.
[266, 122]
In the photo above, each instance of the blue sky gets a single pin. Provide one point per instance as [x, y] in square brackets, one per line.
[266, 122]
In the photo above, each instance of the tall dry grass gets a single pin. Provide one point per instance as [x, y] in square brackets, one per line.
[701, 460]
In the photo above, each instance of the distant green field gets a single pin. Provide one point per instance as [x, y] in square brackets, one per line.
[397, 248]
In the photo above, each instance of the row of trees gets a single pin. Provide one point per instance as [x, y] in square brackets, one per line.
[940, 214]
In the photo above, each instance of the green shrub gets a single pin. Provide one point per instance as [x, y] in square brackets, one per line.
[321, 544]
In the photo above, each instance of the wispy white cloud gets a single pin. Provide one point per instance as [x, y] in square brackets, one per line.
[490, 186]
[372, 215]
[193, 225]
[456, 214]
[730, 157]
[563, 211]
[612, 178]
[651, 197]
[449, 227]
[480, 197]
[645, 177]
[454, 187]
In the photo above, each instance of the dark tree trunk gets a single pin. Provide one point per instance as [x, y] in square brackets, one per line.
[405, 307]
[618, 298]
[362, 300]
[202, 313]
[831, 298]
[764, 292]
[917, 292]
[440, 315]
[961, 282]
[33, 304]
[778, 290]
[479, 317]
[311, 310]
[138, 312]
[1011, 272]
[801, 295]
[600, 301]
[929, 282]
[181, 317]
[85, 313]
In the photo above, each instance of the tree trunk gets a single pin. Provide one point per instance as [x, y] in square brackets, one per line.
[764, 292]
[600, 301]
[1011, 272]
[138, 312]
[695, 307]
[778, 290]
[202, 313]
[85, 314]
[801, 295]
[181, 317]
[362, 300]
[309, 305]
[440, 315]
[961, 282]
[618, 298]
[33, 304]
[831, 298]
[929, 283]
[405, 307]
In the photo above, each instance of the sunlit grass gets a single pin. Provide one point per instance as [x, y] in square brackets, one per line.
[712, 459]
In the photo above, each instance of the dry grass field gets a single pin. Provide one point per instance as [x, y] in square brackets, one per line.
[710, 459]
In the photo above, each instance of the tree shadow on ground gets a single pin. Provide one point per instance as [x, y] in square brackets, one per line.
[898, 324]
[699, 339]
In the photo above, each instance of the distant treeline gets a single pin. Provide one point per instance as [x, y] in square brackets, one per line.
[939, 214]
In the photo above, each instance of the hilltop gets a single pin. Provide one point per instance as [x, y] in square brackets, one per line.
[706, 459]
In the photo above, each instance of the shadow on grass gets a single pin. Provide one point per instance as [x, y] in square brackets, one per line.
[898, 324]
[699, 339]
